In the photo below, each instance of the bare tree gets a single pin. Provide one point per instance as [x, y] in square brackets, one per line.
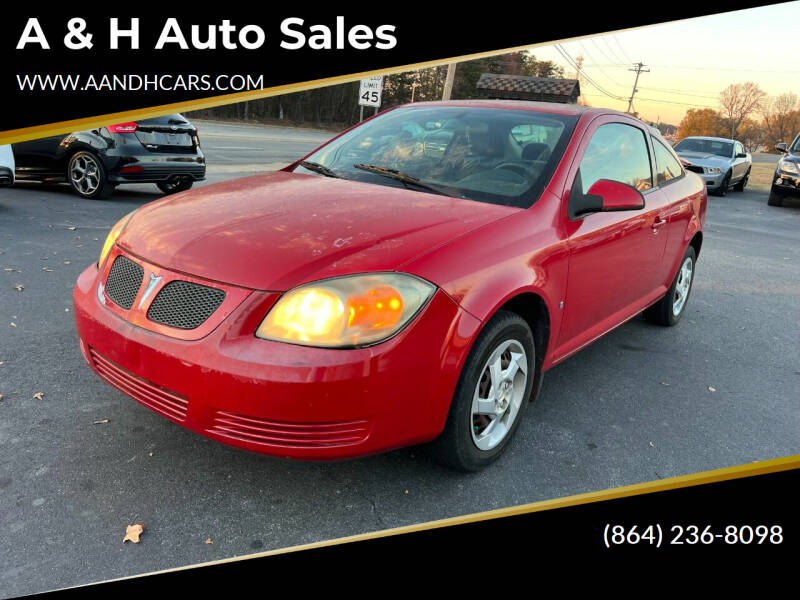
[739, 101]
[781, 117]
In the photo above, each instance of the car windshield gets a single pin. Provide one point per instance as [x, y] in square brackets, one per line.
[485, 154]
[796, 146]
[717, 147]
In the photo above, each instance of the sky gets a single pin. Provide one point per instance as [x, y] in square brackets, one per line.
[690, 61]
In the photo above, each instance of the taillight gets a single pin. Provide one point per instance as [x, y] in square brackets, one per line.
[123, 128]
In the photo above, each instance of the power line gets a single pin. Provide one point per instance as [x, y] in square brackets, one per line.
[570, 60]
[621, 49]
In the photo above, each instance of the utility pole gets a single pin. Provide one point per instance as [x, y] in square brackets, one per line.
[639, 69]
[578, 67]
[448, 81]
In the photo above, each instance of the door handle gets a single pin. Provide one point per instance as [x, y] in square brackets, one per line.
[657, 225]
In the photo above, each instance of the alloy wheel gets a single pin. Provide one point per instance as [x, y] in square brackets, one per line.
[682, 286]
[84, 172]
[499, 394]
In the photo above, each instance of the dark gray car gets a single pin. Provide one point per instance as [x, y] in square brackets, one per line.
[722, 163]
[786, 181]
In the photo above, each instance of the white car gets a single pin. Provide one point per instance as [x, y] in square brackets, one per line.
[6, 166]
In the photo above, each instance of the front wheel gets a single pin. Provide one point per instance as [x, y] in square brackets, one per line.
[491, 395]
[670, 308]
[169, 187]
[725, 185]
[775, 199]
[87, 176]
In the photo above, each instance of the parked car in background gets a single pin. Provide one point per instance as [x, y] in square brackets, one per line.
[722, 163]
[163, 150]
[409, 281]
[786, 181]
[6, 166]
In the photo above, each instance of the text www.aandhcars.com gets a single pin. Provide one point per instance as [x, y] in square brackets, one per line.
[132, 82]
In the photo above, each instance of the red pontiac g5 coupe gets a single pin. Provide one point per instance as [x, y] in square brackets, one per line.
[409, 281]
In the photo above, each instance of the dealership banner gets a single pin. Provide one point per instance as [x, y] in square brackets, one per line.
[71, 64]
[745, 514]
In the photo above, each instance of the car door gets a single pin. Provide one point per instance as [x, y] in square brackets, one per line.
[37, 157]
[615, 258]
[739, 162]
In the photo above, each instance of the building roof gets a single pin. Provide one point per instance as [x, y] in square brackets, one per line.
[525, 84]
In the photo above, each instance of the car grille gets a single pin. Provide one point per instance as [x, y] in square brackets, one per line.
[694, 168]
[185, 305]
[293, 435]
[154, 397]
[123, 282]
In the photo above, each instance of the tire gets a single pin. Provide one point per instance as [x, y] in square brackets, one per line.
[775, 199]
[664, 312]
[739, 187]
[725, 185]
[471, 441]
[173, 188]
[87, 176]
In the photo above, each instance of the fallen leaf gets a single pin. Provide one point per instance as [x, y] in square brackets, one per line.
[19, 287]
[712, 388]
[11, 270]
[151, 454]
[66, 262]
[71, 228]
[664, 383]
[651, 444]
[1, 396]
[209, 541]
[39, 395]
[132, 533]
[12, 324]
[46, 269]
[100, 421]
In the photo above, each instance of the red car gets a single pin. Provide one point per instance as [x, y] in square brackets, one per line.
[409, 281]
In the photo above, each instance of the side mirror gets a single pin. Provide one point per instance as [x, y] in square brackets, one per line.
[741, 155]
[605, 195]
[781, 147]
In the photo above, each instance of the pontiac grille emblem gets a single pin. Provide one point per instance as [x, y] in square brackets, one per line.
[151, 285]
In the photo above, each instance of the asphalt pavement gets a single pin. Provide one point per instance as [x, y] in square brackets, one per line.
[79, 460]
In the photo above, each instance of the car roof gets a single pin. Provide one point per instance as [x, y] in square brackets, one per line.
[708, 137]
[556, 108]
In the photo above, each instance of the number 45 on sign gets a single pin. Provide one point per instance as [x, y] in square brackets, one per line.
[369, 94]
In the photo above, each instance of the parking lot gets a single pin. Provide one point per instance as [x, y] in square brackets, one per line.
[79, 460]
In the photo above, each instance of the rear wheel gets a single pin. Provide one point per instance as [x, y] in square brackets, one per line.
[491, 395]
[775, 199]
[87, 176]
[670, 308]
[173, 187]
[739, 187]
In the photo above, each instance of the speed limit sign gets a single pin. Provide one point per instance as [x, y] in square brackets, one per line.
[369, 93]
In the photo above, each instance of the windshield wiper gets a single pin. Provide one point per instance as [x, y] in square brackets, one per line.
[318, 168]
[403, 178]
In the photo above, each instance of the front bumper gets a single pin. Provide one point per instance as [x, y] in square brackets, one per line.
[786, 184]
[713, 180]
[283, 399]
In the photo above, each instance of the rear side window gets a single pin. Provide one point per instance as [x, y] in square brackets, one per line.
[667, 167]
[617, 152]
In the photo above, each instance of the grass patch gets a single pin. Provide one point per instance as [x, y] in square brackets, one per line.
[761, 176]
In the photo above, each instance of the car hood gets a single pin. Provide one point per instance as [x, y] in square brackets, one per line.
[278, 230]
[704, 158]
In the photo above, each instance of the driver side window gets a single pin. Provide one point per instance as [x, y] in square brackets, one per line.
[617, 152]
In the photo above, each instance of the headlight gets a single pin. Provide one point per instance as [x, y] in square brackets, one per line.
[788, 166]
[711, 170]
[346, 311]
[112, 237]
